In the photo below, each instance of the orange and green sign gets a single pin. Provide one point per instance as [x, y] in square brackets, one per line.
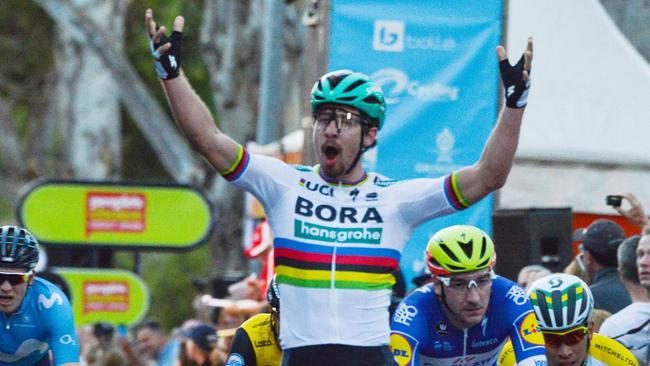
[116, 215]
[109, 295]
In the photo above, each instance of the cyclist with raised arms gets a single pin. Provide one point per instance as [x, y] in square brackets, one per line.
[563, 304]
[467, 313]
[339, 230]
[36, 325]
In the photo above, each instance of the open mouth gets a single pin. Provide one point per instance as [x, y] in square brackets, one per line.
[330, 152]
[5, 300]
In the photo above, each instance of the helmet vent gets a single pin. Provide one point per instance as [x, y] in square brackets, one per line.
[346, 99]
[354, 85]
[334, 80]
[372, 100]
[467, 247]
[320, 85]
[448, 252]
[483, 247]
[543, 307]
[571, 309]
[483, 264]
[556, 300]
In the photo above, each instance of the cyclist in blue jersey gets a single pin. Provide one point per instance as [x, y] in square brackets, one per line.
[36, 325]
[466, 315]
[338, 230]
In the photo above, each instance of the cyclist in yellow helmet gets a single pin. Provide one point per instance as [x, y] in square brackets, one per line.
[563, 304]
[467, 313]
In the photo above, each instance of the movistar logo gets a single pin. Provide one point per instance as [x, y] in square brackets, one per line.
[328, 234]
[49, 302]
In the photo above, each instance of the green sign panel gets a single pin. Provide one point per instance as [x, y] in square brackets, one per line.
[109, 295]
[116, 215]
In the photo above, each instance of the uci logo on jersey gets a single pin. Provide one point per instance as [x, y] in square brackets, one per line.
[305, 207]
[323, 189]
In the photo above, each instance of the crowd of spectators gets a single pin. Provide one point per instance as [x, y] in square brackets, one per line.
[607, 262]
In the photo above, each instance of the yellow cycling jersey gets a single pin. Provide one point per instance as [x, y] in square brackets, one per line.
[255, 344]
[603, 351]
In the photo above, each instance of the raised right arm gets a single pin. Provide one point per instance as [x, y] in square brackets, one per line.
[190, 113]
[196, 122]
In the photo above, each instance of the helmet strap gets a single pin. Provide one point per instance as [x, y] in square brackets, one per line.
[362, 149]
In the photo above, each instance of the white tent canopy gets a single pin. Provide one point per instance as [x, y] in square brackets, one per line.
[586, 127]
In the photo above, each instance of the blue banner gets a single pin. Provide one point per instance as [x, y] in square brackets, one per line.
[436, 63]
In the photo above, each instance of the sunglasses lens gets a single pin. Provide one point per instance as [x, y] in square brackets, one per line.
[570, 339]
[14, 278]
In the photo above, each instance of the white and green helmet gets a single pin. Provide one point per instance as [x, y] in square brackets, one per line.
[350, 88]
[561, 301]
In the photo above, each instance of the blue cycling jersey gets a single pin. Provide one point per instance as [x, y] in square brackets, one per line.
[421, 334]
[43, 322]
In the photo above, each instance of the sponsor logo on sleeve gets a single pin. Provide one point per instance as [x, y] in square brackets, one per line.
[529, 332]
[401, 349]
[405, 314]
[517, 295]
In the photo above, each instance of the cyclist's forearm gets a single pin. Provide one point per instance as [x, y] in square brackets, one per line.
[190, 113]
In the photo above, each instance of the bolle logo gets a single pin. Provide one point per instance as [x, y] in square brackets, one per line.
[305, 207]
[395, 83]
[323, 189]
[388, 36]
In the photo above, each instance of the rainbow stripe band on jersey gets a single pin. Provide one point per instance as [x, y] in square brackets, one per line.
[453, 193]
[235, 170]
[310, 265]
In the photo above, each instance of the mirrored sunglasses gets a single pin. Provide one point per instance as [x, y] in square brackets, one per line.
[570, 337]
[460, 285]
[343, 119]
[14, 278]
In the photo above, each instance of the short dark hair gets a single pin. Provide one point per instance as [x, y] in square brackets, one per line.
[627, 259]
[150, 324]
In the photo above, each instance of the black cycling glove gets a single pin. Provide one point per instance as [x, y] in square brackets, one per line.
[168, 66]
[513, 82]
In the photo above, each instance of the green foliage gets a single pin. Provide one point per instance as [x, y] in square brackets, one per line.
[169, 276]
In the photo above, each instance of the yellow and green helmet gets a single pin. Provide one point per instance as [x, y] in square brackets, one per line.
[459, 249]
[353, 89]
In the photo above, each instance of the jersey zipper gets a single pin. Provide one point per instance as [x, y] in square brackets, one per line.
[464, 344]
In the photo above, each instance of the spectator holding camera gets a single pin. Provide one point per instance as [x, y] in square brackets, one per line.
[599, 244]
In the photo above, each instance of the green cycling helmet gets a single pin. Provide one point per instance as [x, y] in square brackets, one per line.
[350, 88]
[459, 249]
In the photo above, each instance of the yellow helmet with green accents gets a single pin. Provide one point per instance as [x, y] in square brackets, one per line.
[458, 249]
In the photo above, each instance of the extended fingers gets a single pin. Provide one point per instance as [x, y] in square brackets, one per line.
[528, 55]
[149, 23]
[179, 24]
[501, 53]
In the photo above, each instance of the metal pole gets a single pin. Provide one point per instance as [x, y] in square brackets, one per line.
[271, 88]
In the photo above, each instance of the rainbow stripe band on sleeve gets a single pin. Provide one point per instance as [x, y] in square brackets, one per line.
[453, 193]
[238, 166]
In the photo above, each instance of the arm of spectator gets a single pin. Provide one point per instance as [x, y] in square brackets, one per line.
[131, 355]
[635, 214]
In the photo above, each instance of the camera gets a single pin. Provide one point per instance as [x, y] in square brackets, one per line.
[614, 200]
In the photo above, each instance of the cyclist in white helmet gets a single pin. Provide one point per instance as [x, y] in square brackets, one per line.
[563, 304]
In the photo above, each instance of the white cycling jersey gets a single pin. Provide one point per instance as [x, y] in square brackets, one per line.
[336, 245]
[631, 327]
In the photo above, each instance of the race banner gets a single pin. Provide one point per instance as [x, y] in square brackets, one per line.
[437, 65]
[109, 295]
[129, 216]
